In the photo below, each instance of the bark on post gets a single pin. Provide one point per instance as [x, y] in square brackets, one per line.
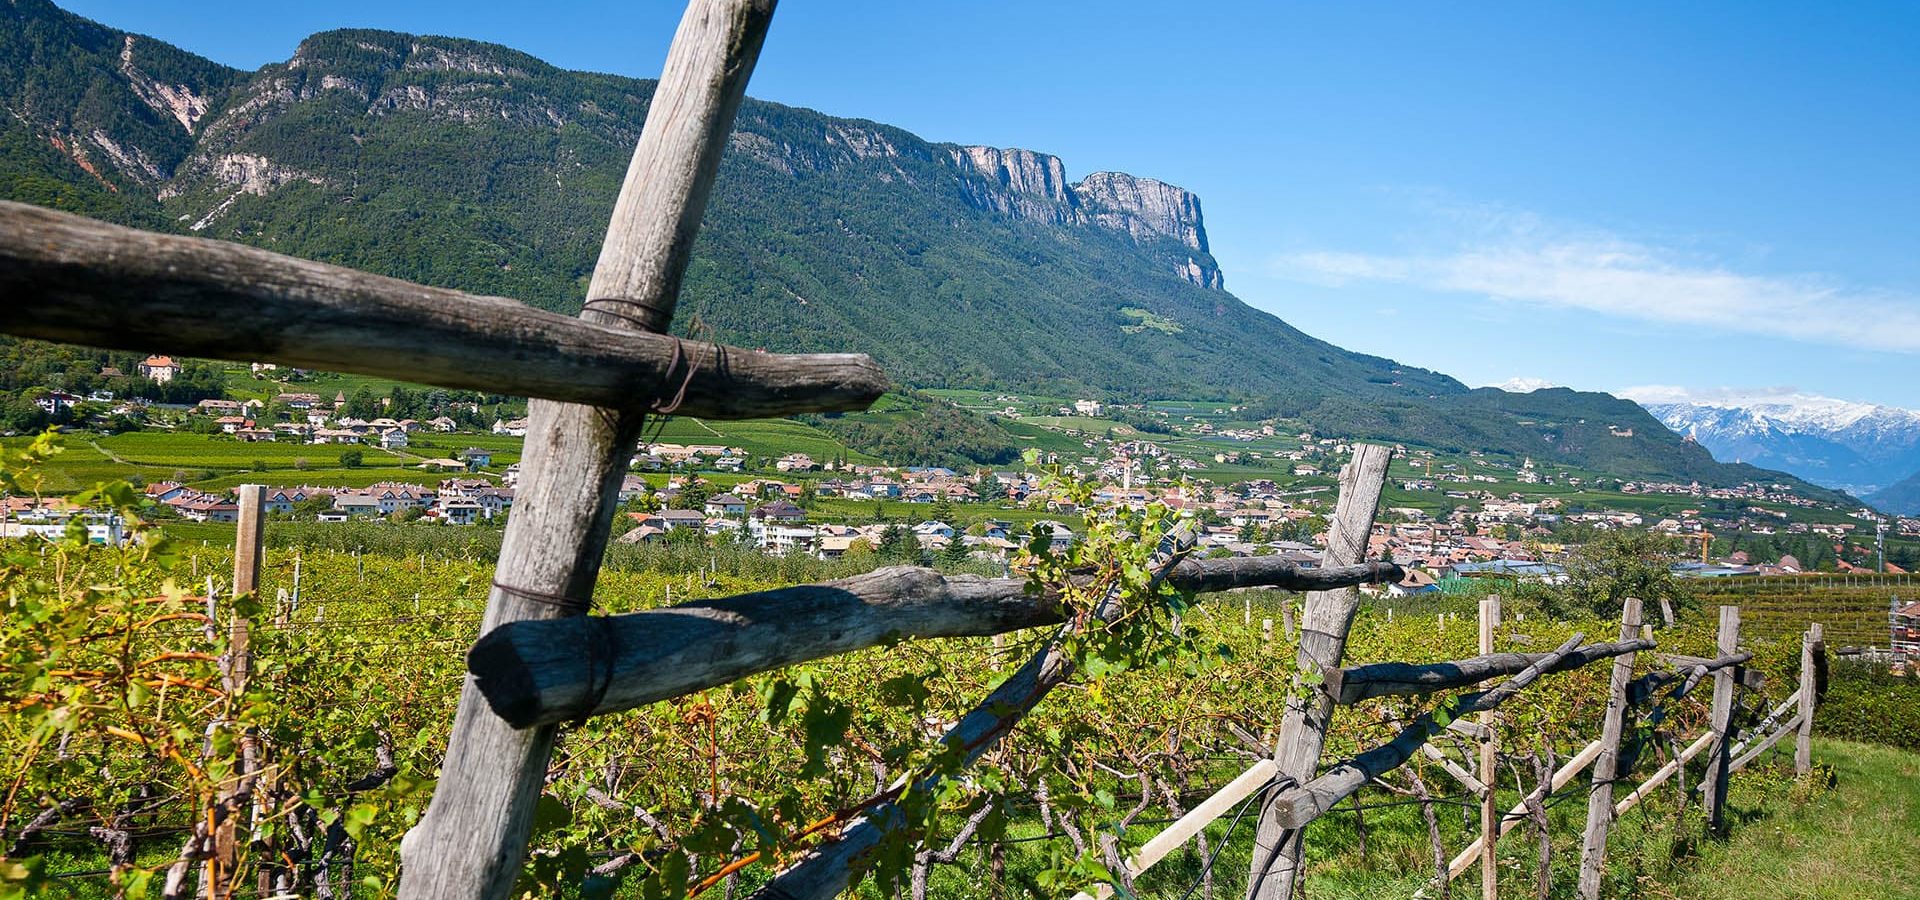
[1489, 824]
[1725, 683]
[1810, 643]
[473, 837]
[1323, 642]
[236, 666]
[1593, 843]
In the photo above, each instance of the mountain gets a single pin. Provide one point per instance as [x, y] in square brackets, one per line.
[1902, 498]
[474, 166]
[1859, 447]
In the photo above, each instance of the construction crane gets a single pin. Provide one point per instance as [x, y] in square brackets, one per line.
[1706, 541]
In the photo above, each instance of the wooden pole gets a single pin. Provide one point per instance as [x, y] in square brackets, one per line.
[1324, 624]
[1593, 842]
[1803, 741]
[471, 840]
[1489, 825]
[236, 669]
[1725, 683]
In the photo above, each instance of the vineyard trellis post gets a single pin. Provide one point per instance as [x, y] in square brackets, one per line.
[1489, 776]
[473, 836]
[1726, 683]
[1593, 845]
[1812, 644]
[236, 667]
[1324, 623]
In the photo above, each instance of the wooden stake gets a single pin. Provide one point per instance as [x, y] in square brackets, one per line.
[1725, 683]
[1593, 842]
[1810, 643]
[236, 668]
[1489, 825]
[1323, 643]
[473, 837]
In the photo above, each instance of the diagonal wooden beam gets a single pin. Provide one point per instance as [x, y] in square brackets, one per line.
[541, 672]
[73, 279]
[473, 837]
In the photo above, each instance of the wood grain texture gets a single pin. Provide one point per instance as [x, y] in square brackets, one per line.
[1606, 768]
[1324, 623]
[81, 281]
[473, 837]
[545, 671]
[1489, 829]
[1812, 658]
[1725, 687]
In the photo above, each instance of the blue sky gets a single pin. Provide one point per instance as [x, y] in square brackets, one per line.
[1704, 195]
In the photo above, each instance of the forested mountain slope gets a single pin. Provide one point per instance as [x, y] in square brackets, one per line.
[475, 166]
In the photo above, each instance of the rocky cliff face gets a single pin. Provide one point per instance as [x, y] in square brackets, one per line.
[1033, 186]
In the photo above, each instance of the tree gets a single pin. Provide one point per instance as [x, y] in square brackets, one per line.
[693, 495]
[1618, 564]
[956, 552]
[351, 459]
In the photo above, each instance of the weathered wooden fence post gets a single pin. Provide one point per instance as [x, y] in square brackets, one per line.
[1725, 682]
[1593, 843]
[473, 837]
[1324, 623]
[1489, 775]
[1811, 643]
[236, 666]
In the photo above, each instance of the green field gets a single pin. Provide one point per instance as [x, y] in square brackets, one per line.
[200, 451]
[759, 437]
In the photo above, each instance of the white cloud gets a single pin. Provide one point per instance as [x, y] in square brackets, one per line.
[1519, 258]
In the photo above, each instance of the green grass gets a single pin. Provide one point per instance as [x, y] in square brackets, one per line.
[759, 437]
[201, 451]
[1861, 839]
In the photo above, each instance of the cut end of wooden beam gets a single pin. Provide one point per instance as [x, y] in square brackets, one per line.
[506, 680]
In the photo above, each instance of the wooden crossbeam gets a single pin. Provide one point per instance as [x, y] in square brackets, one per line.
[73, 279]
[1294, 807]
[1357, 683]
[540, 672]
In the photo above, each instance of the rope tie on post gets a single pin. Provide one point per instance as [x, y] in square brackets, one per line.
[573, 606]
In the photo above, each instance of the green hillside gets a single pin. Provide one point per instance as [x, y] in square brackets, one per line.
[475, 166]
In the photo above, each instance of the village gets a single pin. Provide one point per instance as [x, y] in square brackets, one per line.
[1473, 516]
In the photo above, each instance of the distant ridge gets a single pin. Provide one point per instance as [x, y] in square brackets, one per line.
[471, 165]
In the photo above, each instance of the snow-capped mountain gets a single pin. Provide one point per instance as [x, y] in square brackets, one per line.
[1858, 447]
